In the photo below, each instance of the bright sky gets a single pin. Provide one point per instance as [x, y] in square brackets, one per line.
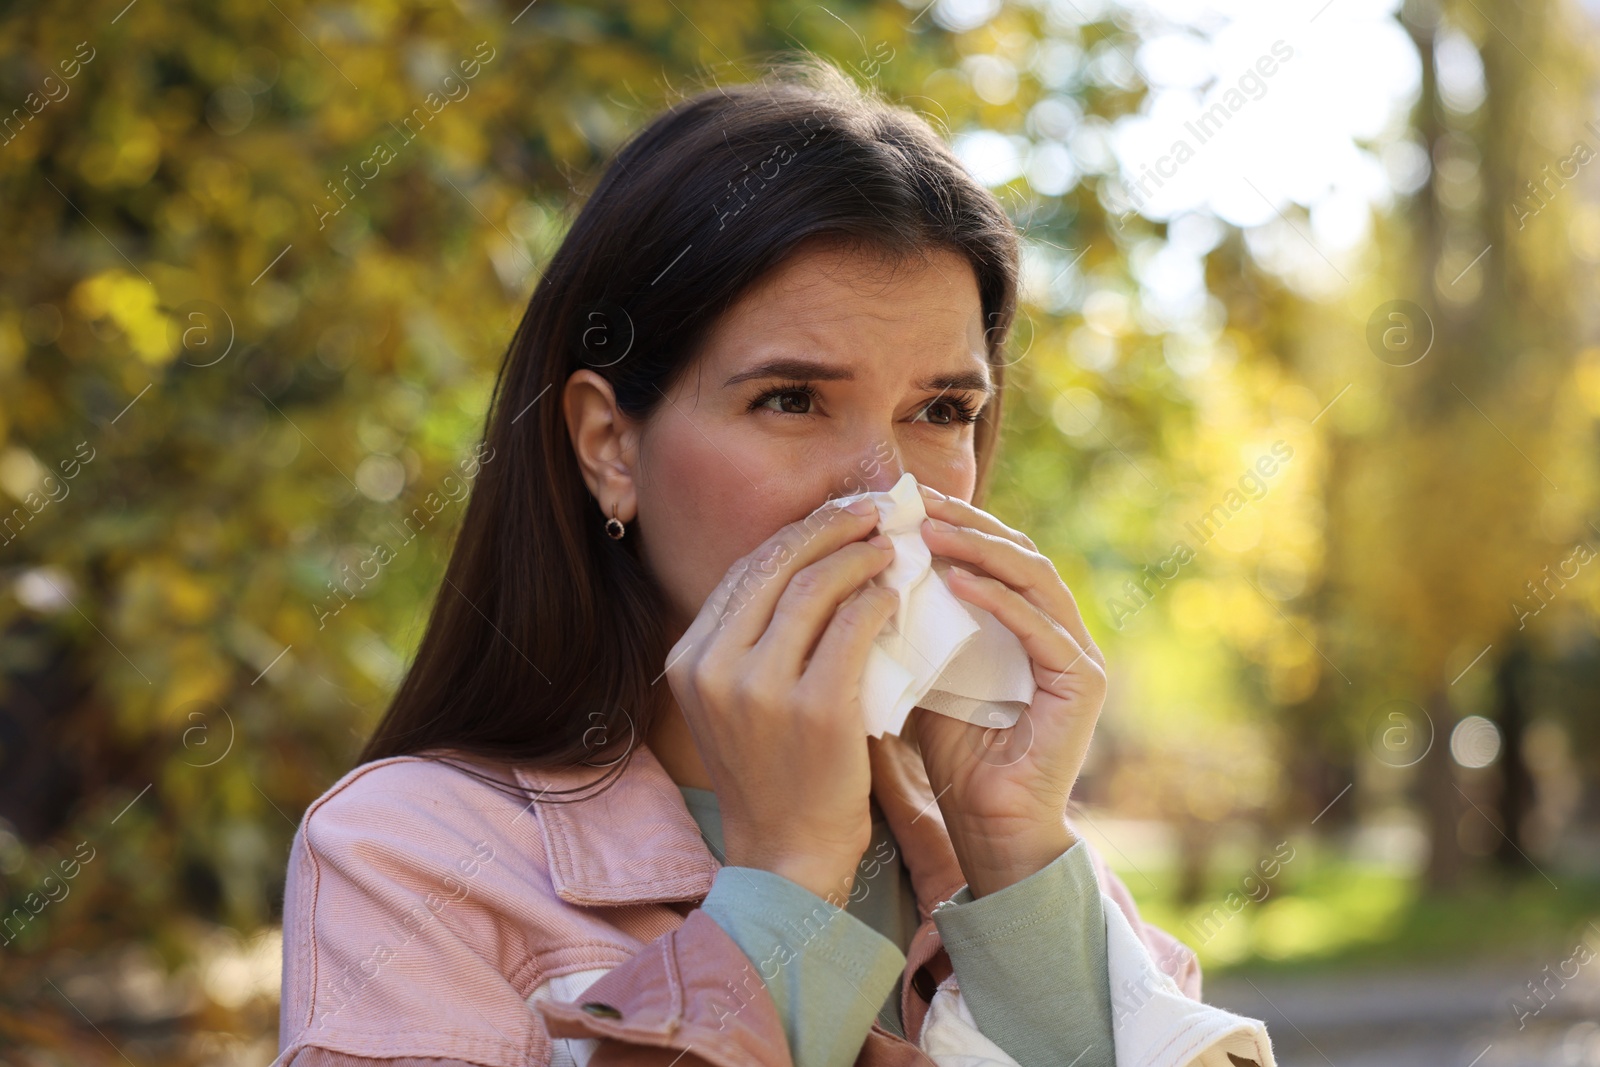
[1308, 103]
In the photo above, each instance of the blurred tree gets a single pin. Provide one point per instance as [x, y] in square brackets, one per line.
[1487, 419]
[264, 261]
[1480, 425]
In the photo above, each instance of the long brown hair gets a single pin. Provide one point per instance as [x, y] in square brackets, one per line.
[546, 644]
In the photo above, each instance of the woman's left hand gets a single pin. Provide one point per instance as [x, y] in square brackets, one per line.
[1003, 792]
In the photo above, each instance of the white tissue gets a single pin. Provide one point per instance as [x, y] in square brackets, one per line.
[938, 651]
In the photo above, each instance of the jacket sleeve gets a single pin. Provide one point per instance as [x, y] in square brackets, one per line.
[1176, 959]
[394, 951]
[608, 1053]
[311, 1056]
[1159, 1020]
[1031, 962]
[829, 972]
[388, 952]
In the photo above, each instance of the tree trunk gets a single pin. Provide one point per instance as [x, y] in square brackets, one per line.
[1441, 800]
[1516, 794]
[1194, 859]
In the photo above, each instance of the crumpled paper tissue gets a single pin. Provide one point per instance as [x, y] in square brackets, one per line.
[938, 651]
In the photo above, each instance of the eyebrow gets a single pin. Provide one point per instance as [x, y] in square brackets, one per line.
[792, 367]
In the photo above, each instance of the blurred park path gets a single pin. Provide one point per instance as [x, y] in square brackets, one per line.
[1458, 1016]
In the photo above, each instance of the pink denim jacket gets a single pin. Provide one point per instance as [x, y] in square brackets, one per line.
[431, 919]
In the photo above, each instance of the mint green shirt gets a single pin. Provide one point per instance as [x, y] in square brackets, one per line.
[1031, 958]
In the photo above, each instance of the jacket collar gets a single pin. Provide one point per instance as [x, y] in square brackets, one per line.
[634, 842]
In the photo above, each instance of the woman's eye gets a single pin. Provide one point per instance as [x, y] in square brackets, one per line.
[956, 412]
[801, 400]
[790, 401]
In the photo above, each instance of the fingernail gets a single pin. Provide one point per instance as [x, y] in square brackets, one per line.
[928, 490]
[881, 540]
[861, 507]
[937, 524]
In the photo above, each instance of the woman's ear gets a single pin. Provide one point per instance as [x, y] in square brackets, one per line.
[604, 441]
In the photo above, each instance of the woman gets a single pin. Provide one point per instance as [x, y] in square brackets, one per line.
[622, 809]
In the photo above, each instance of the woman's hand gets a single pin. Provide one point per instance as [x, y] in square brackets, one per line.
[769, 680]
[1003, 792]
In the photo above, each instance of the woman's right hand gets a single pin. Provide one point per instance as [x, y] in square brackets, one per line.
[768, 677]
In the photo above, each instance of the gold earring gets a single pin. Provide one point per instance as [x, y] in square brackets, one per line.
[614, 527]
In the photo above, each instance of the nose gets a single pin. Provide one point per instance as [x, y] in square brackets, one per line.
[877, 470]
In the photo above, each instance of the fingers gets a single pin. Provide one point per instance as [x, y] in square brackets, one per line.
[742, 603]
[1024, 569]
[960, 513]
[1054, 649]
[842, 651]
[810, 599]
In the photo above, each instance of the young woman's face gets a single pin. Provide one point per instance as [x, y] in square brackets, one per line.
[834, 375]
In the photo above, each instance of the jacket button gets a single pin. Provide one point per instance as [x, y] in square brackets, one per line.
[923, 984]
[604, 1011]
